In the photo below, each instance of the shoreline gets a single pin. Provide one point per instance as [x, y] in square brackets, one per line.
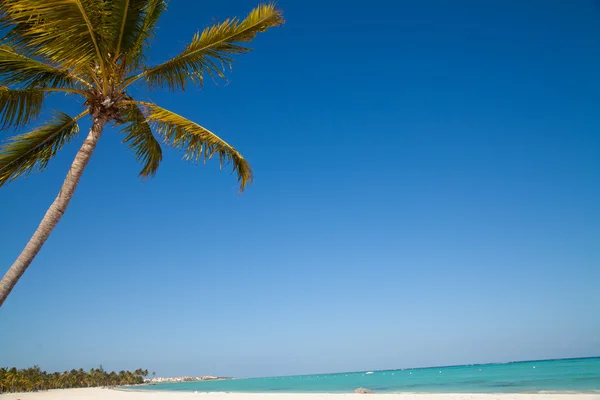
[539, 392]
[123, 394]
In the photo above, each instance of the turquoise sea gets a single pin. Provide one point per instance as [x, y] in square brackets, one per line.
[581, 375]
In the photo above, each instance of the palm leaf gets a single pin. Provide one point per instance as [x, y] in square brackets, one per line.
[211, 50]
[152, 12]
[197, 142]
[20, 70]
[33, 150]
[19, 107]
[67, 32]
[123, 19]
[141, 140]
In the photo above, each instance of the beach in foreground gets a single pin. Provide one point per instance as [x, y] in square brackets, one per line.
[109, 394]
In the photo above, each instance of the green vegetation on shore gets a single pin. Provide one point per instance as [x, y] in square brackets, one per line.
[34, 379]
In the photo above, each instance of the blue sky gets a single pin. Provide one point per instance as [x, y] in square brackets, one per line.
[426, 193]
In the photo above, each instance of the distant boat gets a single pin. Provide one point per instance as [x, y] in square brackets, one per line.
[369, 373]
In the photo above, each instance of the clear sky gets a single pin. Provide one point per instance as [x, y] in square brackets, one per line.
[427, 192]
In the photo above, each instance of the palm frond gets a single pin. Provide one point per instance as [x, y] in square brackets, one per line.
[33, 150]
[19, 107]
[67, 32]
[152, 12]
[146, 148]
[20, 70]
[210, 51]
[123, 19]
[196, 141]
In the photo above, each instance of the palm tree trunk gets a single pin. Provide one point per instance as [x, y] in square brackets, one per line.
[54, 213]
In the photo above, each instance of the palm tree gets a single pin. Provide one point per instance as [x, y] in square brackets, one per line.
[95, 49]
[33, 379]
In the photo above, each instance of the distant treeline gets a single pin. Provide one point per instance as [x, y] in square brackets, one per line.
[33, 379]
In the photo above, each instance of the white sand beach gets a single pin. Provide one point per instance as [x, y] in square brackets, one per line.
[109, 394]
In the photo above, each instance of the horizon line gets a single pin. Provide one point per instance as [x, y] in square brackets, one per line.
[429, 367]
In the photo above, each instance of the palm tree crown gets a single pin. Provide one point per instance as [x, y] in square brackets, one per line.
[95, 49]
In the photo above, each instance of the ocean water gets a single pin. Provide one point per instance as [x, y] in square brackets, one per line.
[581, 375]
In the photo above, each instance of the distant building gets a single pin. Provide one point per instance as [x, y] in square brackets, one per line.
[160, 379]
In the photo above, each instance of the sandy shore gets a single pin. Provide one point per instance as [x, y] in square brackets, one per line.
[108, 394]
